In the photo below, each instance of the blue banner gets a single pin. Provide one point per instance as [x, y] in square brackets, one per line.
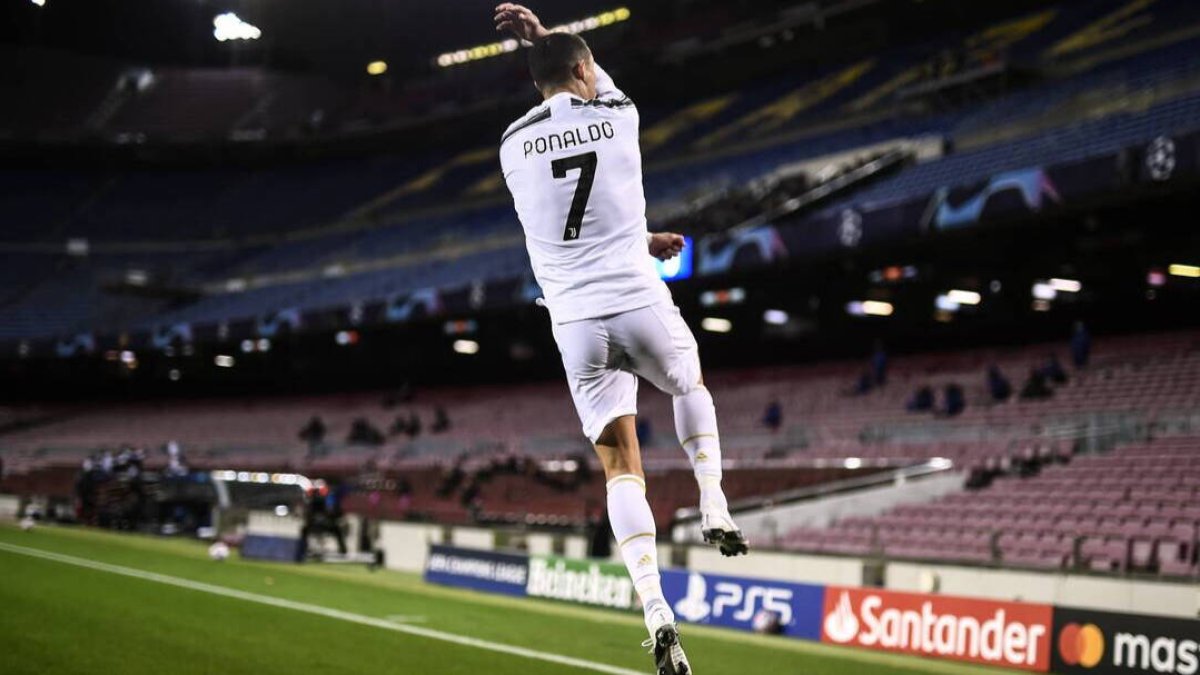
[503, 573]
[735, 602]
[269, 547]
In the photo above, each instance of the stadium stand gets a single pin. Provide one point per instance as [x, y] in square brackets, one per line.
[257, 222]
[1140, 375]
[1095, 477]
[1133, 508]
[1137, 499]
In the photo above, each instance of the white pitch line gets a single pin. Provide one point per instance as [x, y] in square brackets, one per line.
[404, 618]
[319, 611]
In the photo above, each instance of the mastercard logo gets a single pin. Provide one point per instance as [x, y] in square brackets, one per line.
[1081, 645]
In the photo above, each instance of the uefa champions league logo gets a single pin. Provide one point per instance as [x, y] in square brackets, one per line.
[1160, 159]
[850, 228]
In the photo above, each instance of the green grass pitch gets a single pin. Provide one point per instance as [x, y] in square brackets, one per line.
[81, 601]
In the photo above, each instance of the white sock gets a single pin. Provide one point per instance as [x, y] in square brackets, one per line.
[633, 526]
[696, 427]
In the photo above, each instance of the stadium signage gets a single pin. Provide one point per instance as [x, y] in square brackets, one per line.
[592, 583]
[1088, 641]
[735, 602]
[1009, 634]
[479, 570]
[271, 547]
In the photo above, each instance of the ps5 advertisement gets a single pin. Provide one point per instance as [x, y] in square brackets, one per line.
[786, 608]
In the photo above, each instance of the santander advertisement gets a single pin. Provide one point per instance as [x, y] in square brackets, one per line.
[1009, 634]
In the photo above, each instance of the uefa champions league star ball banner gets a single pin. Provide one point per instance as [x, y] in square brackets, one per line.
[503, 573]
[790, 609]
[582, 582]
[1087, 641]
[992, 632]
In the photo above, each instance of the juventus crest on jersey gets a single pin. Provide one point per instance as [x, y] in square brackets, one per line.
[574, 169]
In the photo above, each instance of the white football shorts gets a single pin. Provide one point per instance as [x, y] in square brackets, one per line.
[603, 358]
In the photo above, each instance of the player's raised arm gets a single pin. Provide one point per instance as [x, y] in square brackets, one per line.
[520, 21]
[605, 87]
[525, 25]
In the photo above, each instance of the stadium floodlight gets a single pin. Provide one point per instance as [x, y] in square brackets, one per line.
[492, 49]
[247, 346]
[729, 296]
[870, 308]
[877, 308]
[78, 246]
[1044, 291]
[1189, 271]
[230, 26]
[460, 327]
[946, 303]
[775, 317]
[965, 297]
[377, 67]
[466, 347]
[1066, 285]
[714, 324]
[223, 361]
[39, 3]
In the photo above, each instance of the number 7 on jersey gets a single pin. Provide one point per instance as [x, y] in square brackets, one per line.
[586, 163]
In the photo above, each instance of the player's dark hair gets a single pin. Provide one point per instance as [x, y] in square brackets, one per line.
[552, 57]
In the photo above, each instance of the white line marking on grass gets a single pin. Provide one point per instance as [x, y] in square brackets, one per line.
[319, 611]
[404, 618]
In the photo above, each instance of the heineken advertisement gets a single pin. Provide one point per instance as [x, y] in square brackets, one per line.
[599, 584]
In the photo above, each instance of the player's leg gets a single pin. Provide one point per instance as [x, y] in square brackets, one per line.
[633, 526]
[606, 399]
[629, 511]
[662, 349]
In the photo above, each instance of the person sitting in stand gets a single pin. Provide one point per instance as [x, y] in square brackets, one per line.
[414, 425]
[313, 433]
[1081, 345]
[954, 400]
[645, 431]
[1036, 387]
[998, 386]
[879, 364]
[863, 385]
[921, 401]
[773, 415]
[362, 433]
[441, 421]
[1054, 371]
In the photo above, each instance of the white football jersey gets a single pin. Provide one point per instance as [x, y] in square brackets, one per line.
[574, 169]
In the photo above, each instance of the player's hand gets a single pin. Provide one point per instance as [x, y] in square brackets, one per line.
[665, 245]
[520, 21]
